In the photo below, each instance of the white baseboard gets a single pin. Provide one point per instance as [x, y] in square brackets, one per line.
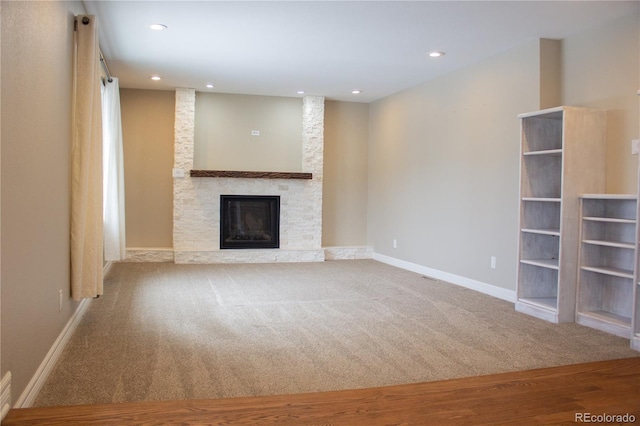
[491, 290]
[30, 393]
[5, 395]
[106, 268]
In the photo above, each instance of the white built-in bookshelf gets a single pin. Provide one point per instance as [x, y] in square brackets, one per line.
[607, 262]
[635, 315]
[562, 156]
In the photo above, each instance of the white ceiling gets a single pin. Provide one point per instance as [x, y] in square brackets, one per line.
[326, 48]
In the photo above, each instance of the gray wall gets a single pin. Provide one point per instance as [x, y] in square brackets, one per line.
[443, 157]
[601, 70]
[443, 167]
[223, 138]
[37, 41]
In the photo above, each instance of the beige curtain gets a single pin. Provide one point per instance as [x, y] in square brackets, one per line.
[86, 165]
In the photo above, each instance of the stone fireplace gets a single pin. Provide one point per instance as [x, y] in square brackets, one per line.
[197, 196]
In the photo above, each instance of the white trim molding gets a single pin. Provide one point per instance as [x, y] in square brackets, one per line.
[106, 269]
[491, 290]
[30, 393]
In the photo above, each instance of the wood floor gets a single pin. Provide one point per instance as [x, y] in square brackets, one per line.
[536, 397]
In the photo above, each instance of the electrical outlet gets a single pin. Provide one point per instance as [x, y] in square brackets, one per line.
[493, 262]
[635, 146]
[60, 300]
[255, 133]
[395, 243]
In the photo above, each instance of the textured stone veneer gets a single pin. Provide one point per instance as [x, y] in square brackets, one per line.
[196, 200]
[135, 254]
[348, 253]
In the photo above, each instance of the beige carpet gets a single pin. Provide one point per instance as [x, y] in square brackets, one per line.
[165, 331]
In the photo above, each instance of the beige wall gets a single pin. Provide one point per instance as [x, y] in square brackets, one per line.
[37, 41]
[443, 167]
[344, 198]
[601, 70]
[147, 133]
[550, 73]
[223, 138]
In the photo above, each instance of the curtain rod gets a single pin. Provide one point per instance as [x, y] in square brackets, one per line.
[103, 62]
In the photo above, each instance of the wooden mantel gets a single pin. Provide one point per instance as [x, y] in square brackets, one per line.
[250, 175]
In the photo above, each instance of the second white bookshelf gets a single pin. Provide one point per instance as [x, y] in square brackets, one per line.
[606, 262]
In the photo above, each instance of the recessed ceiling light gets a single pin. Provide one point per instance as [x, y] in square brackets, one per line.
[356, 92]
[158, 27]
[436, 54]
[209, 85]
[300, 92]
[155, 78]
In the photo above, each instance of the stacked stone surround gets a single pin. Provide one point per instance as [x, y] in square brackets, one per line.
[196, 215]
[348, 253]
[196, 201]
[146, 254]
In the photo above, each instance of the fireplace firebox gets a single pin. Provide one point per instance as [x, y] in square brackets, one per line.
[249, 221]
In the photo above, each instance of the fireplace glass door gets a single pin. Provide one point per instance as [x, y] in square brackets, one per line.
[249, 221]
